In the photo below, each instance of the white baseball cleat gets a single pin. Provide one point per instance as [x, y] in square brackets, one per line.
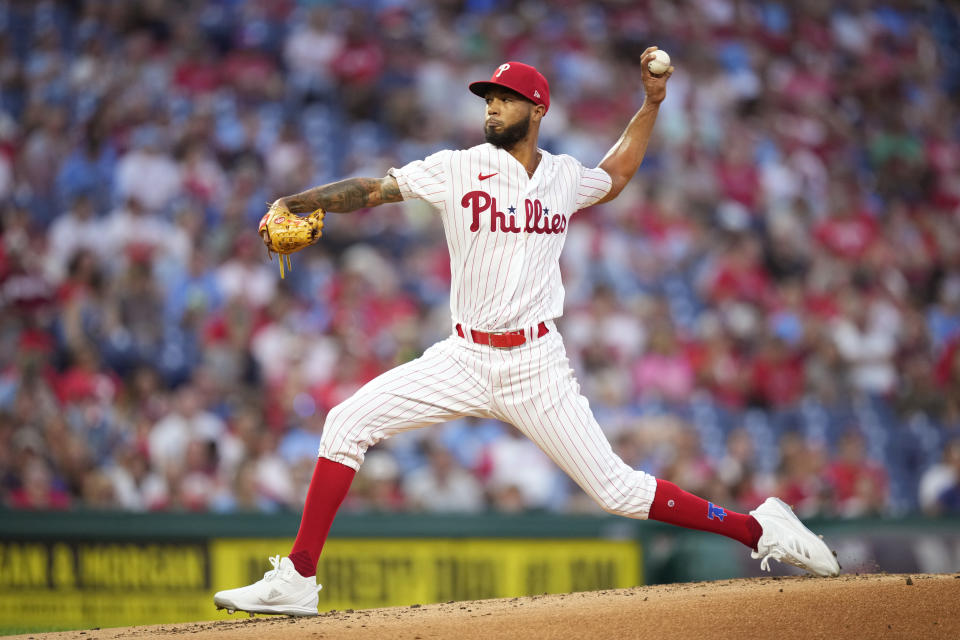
[786, 539]
[282, 591]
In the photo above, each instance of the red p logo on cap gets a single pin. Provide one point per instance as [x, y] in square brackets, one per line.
[520, 77]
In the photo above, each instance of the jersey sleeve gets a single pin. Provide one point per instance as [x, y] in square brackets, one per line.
[592, 186]
[426, 179]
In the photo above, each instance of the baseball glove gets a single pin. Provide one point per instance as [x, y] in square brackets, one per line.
[288, 233]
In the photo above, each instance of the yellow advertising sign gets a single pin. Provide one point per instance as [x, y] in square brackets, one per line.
[369, 573]
[95, 584]
[63, 585]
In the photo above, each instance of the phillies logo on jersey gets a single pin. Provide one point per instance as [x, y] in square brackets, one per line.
[538, 218]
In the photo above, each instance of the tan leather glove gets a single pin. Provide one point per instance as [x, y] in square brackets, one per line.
[288, 233]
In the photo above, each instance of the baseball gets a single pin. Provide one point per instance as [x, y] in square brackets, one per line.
[660, 62]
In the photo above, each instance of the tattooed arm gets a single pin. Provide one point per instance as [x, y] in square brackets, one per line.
[345, 196]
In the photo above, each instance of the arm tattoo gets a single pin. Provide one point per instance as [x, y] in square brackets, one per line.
[346, 195]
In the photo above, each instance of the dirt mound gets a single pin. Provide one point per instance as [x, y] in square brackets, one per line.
[868, 606]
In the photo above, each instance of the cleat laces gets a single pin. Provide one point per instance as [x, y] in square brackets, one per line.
[273, 573]
[791, 553]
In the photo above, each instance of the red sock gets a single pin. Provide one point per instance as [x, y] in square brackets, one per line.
[673, 505]
[328, 487]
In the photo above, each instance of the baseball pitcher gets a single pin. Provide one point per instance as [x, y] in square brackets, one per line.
[505, 206]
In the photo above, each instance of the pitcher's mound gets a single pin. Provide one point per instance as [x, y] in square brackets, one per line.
[868, 606]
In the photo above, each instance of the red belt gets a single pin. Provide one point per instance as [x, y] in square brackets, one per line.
[503, 340]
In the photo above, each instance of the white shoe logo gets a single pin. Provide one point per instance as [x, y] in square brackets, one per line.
[274, 594]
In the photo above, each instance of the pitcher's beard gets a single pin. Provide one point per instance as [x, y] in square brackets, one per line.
[508, 136]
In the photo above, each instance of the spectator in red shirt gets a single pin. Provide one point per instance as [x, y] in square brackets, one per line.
[357, 67]
[199, 72]
[86, 378]
[738, 175]
[777, 374]
[740, 274]
[947, 377]
[719, 368]
[859, 485]
[252, 72]
[848, 232]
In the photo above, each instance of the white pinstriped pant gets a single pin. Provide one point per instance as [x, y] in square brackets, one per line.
[531, 387]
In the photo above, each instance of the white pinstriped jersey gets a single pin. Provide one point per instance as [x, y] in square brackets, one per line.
[504, 230]
[505, 233]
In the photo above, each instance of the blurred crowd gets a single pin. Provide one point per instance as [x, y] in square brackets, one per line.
[771, 307]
